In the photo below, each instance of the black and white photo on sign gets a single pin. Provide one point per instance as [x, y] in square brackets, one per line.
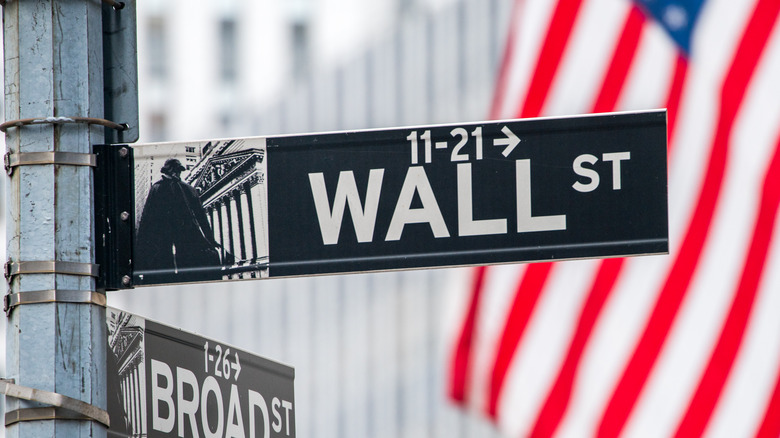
[201, 211]
[126, 373]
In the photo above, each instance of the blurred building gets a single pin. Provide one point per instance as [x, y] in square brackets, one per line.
[369, 350]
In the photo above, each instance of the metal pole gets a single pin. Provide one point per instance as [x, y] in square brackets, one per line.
[53, 69]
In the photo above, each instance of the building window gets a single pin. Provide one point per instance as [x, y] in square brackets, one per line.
[157, 47]
[158, 127]
[407, 6]
[228, 40]
[300, 48]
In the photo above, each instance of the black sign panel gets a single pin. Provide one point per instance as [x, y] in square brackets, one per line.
[446, 195]
[163, 382]
[495, 192]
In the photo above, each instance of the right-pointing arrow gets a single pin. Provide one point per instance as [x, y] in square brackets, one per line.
[510, 141]
[236, 367]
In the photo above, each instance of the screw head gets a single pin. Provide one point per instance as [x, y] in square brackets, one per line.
[124, 216]
[126, 280]
[124, 152]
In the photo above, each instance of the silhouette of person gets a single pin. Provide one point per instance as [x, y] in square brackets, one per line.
[174, 235]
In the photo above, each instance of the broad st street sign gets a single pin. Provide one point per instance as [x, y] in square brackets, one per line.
[163, 382]
[414, 197]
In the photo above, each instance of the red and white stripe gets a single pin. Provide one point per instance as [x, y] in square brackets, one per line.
[686, 344]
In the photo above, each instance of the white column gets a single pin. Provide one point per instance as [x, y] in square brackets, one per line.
[260, 206]
[238, 232]
[142, 396]
[247, 226]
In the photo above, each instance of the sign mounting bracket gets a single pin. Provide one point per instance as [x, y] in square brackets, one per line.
[114, 214]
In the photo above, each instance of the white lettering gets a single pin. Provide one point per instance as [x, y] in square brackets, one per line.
[164, 395]
[467, 226]
[234, 429]
[287, 406]
[277, 424]
[416, 181]
[346, 194]
[526, 222]
[256, 400]
[210, 385]
[616, 158]
[187, 407]
[591, 174]
[192, 407]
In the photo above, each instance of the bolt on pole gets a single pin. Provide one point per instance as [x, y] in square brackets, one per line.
[53, 71]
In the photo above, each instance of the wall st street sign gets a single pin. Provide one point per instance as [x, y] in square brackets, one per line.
[164, 382]
[414, 197]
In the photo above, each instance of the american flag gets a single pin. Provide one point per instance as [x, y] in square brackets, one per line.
[686, 344]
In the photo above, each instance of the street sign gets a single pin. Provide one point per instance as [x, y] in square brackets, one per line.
[120, 69]
[163, 382]
[415, 197]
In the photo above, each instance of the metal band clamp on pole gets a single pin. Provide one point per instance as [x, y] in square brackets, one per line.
[61, 121]
[53, 296]
[50, 267]
[113, 3]
[63, 158]
[90, 412]
[37, 414]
